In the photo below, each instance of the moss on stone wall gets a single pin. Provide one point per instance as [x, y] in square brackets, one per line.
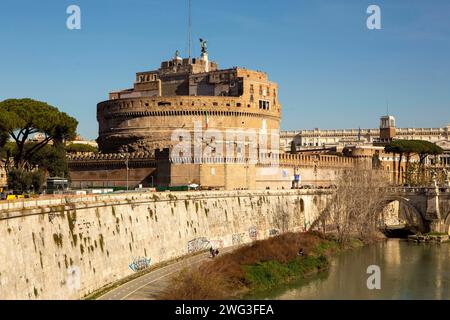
[58, 239]
[101, 242]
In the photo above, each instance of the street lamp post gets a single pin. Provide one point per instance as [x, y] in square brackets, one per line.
[126, 163]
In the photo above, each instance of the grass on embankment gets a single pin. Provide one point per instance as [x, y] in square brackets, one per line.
[259, 266]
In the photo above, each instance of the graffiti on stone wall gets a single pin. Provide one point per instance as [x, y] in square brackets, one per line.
[198, 244]
[140, 264]
[253, 233]
[274, 232]
[237, 238]
[73, 279]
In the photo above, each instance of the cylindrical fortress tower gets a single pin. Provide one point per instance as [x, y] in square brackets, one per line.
[185, 94]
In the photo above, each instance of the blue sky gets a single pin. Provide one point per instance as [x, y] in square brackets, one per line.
[332, 71]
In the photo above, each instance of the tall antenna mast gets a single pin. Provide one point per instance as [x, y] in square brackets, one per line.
[189, 30]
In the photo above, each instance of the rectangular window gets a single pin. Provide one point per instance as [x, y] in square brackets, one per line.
[264, 104]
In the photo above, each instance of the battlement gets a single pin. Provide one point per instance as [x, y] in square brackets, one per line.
[316, 160]
[108, 156]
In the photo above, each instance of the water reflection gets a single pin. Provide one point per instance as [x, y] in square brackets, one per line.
[408, 271]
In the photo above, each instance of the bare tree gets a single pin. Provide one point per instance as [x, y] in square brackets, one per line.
[357, 205]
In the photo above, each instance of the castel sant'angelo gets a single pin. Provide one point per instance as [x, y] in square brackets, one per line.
[177, 95]
[192, 103]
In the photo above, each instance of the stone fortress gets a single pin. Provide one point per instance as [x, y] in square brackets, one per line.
[138, 132]
[192, 103]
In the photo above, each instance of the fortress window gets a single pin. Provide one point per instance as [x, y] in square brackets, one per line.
[251, 88]
[263, 104]
[215, 104]
[163, 103]
[238, 104]
[146, 104]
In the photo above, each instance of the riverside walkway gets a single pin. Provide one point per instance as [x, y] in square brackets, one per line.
[150, 285]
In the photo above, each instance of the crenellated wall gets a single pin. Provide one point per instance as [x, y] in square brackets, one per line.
[66, 248]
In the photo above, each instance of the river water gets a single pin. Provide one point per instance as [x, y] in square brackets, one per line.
[408, 271]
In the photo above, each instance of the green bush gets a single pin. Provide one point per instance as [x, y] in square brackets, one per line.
[268, 274]
[77, 147]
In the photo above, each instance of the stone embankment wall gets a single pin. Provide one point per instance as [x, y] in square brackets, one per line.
[66, 248]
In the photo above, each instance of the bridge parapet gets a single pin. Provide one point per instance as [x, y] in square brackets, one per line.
[418, 190]
[408, 190]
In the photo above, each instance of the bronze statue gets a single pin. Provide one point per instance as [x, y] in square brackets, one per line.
[203, 45]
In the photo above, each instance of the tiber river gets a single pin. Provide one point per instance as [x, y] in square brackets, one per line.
[408, 271]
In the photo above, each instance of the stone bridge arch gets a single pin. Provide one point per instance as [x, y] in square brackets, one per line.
[447, 223]
[399, 213]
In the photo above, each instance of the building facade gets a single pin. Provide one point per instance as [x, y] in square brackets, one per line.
[305, 139]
